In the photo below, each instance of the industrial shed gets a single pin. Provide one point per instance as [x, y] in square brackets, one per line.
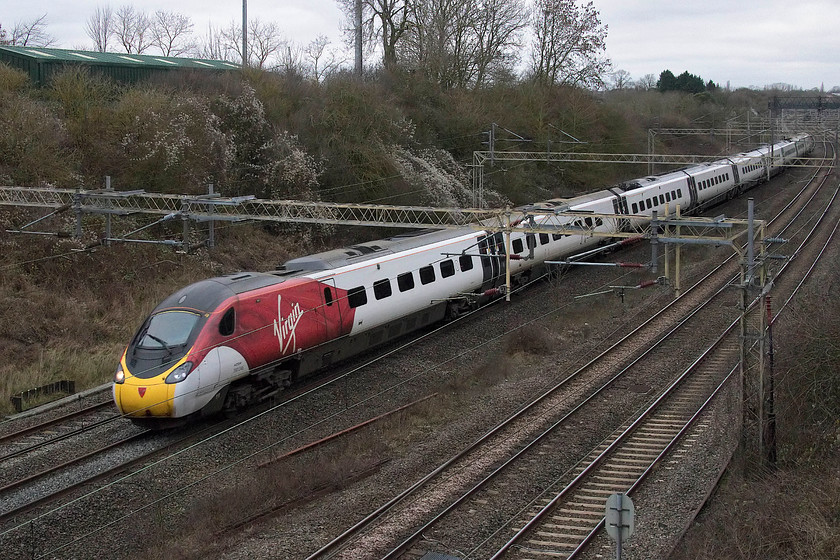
[42, 64]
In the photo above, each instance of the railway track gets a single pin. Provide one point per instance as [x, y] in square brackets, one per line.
[619, 463]
[637, 386]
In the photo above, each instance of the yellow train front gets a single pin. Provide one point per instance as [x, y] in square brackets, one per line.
[171, 368]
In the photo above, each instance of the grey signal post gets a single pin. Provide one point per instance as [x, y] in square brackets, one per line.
[619, 520]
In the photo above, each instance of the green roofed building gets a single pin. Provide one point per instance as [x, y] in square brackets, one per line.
[42, 63]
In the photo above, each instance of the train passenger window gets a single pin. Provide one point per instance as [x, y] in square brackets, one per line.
[649, 204]
[382, 288]
[635, 208]
[427, 275]
[356, 297]
[556, 236]
[447, 268]
[661, 199]
[466, 262]
[667, 197]
[328, 299]
[531, 240]
[228, 323]
[599, 222]
[588, 222]
[543, 239]
[405, 281]
[517, 245]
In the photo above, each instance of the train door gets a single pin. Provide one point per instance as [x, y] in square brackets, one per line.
[330, 309]
[691, 185]
[492, 265]
[620, 207]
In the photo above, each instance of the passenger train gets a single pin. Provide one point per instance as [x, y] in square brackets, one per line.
[226, 343]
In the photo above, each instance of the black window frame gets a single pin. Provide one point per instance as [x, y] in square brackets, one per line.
[517, 246]
[357, 297]
[405, 281]
[427, 274]
[227, 324]
[382, 289]
[465, 262]
[447, 268]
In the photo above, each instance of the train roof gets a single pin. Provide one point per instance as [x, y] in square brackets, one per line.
[207, 295]
[336, 258]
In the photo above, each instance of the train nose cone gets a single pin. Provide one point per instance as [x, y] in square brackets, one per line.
[140, 398]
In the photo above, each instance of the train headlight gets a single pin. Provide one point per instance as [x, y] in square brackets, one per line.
[179, 373]
[119, 376]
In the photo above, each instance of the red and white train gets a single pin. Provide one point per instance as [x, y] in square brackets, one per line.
[228, 342]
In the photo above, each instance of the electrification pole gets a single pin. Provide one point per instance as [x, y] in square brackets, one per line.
[244, 33]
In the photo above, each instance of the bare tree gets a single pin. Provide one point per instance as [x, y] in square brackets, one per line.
[28, 33]
[213, 46]
[100, 27]
[621, 79]
[171, 33]
[460, 43]
[289, 59]
[568, 43]
[384, 23]
[264, 41]
[321, 60]
[646, 82]
[132, 29]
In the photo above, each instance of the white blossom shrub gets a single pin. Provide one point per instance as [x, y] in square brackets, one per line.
[175, 142]
[436, 178]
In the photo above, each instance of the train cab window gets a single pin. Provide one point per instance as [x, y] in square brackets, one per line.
[328, 298]
[466, 262]
[427, 275]
[447, 268]
[635, 208]
[543, 239]
[517, 246]
[356, 297]
[382, 288]
[405, 281]
[228, 323]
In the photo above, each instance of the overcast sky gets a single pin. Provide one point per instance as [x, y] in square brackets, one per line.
[740, 43]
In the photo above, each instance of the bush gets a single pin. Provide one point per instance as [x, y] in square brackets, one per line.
[12, 80]
[34, 144]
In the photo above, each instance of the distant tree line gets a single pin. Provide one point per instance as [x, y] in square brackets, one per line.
[686, 82]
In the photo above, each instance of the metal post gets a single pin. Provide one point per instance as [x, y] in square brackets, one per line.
[750, 239]
[677, 259]
[666, 252]
[507, 254]
[244, 33]
[185, 221]
[211, 229]
[77, 208]
[742, 369]
[654, 243]
[771, 392]
[108, 216]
